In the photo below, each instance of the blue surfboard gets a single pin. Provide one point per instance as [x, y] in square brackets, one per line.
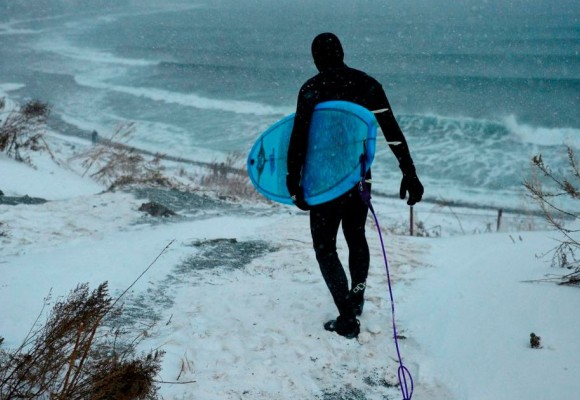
[340, 133]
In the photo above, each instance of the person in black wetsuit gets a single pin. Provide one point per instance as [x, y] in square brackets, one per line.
[337, 81]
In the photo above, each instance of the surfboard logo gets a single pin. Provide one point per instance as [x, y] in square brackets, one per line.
[272, 160]
[261, 160]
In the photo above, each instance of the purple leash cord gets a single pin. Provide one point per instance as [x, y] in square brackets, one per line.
[405, 378]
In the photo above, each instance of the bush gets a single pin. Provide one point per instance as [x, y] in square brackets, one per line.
[21, 129]
[228, 181]
[117, 165]
[555, 193]
[74, 355]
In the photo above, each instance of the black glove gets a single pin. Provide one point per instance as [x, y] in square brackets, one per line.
[411, 183]
[298, 200]
[297, 194]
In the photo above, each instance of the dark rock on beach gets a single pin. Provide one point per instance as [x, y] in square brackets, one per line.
[156, 210]
[13, 201]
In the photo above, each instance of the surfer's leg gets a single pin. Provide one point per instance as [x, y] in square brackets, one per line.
[353, 227]
[324, 224]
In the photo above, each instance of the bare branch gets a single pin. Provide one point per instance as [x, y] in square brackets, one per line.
[564, 255]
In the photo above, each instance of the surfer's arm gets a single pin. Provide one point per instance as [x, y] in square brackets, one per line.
[391, 130]
[386, 119]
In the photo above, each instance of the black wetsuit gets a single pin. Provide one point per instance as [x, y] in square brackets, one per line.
[337, 81]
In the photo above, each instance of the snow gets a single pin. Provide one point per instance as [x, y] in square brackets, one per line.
[237, 300]
[475, 312]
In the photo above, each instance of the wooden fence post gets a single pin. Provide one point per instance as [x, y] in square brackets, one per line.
[499, 213]
[411, 219]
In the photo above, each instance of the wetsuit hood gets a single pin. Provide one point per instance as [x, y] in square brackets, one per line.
[327, 51]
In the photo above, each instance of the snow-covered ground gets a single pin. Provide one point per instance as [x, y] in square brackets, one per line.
[237, 300]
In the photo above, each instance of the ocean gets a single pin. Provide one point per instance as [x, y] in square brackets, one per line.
[478, 87]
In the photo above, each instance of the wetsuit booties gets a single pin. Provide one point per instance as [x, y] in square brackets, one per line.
[347, 327]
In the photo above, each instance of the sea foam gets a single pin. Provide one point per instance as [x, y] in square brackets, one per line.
[185, 99]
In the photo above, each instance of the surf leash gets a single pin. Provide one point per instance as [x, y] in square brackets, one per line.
[404, 376]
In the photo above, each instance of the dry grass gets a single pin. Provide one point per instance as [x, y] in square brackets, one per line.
[21, 129]
[229, 181]
[117, 165]
[74, 355]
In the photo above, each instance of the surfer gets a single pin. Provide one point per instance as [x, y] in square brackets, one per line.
[337, 81]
